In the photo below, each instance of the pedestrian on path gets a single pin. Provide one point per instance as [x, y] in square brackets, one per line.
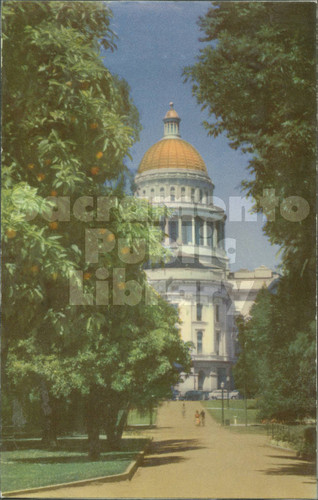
[183, 410]
[197, 418]
[202, 418]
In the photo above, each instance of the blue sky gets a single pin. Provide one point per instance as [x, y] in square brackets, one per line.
[156, 40]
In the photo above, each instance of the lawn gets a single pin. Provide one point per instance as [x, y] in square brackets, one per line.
[137, 418]
[234, 411]
[31, 466]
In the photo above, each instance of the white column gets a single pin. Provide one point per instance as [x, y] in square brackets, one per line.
[215, 235]
[193, 230]
[180, 230]
[167, 231]
[205, 233]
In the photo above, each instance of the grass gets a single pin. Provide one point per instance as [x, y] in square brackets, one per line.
[31, 466]
[137, 418]
[234, 413]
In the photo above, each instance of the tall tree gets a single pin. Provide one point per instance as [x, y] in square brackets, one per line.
[68, 125]
[255, 76]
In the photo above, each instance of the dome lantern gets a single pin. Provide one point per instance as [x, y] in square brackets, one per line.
[171, 123]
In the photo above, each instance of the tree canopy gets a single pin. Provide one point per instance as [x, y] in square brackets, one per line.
[76, 315]
[255, 75]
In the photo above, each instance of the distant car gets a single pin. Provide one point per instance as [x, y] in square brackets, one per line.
[217, 394]
[193, 396]
[235, 394]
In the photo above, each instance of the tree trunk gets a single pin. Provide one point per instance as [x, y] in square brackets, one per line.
[49, 433]
[115, 421]
[93, 424]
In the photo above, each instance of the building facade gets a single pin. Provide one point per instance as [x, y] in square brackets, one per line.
[194, 280]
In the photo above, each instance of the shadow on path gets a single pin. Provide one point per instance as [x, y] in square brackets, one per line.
[174, 445]
[155, 461]
[301, 468]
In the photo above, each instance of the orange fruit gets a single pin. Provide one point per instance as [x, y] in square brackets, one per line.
[53, 193]
[125, 250]
[93, 125]
[11, 233]
[110, 237]
[95, 170]
[99, 155]
[31, 166]
[40, 177]
[34, 269]
[121, 286]
[54, 225]
[87, 276]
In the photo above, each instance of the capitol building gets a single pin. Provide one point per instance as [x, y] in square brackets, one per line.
[196, 279]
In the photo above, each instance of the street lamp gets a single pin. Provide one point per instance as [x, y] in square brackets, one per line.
[222, 387]
[228, 391]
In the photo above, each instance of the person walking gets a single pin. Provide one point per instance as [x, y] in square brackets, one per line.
[202, 418]
[197, 418]
[183, 410]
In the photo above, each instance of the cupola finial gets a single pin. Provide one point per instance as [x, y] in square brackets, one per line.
[171, 122]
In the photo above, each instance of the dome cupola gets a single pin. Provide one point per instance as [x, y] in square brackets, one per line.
[171, 123]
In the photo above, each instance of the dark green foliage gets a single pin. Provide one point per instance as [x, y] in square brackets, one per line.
[256, 78]
[68, 126]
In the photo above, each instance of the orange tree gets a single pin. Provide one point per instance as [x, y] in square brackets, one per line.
[68, 125]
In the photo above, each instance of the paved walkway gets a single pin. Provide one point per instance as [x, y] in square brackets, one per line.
[206, 462]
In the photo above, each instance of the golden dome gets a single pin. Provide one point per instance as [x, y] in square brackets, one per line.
[172, 153]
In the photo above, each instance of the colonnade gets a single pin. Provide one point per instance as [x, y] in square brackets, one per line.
[194, 231]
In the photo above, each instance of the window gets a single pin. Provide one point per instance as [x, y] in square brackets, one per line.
[152, 193]
[192, 194]
[206, 197]
[144, 192]
[199, 342]
[162, 193]
[173, 230]
[210, 234]
[199, 312]
[217, 313]
[201, 195]
[172, 194]
[182, 193]
[198, 231]
[217, 348]
[186, 232]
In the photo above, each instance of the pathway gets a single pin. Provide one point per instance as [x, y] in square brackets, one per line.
[205, 462]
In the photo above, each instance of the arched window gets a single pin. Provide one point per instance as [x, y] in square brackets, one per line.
[201, 195]
[152, 193]
[192, 194]
[162, 193]
[182, 193]
[172, 194]
[199, 342]
[144, 192]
